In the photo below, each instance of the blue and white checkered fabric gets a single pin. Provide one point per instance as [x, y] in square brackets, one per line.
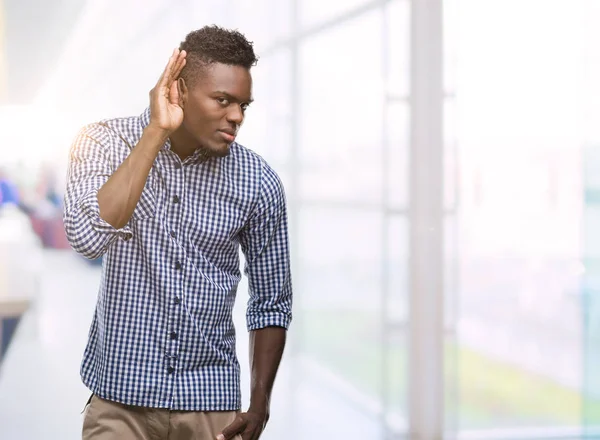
[162, 335]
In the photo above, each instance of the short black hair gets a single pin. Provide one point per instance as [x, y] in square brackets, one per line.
[214, 44]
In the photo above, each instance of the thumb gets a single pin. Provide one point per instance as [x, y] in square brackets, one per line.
[236, 427]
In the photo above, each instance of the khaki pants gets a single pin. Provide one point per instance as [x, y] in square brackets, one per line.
[106, 420]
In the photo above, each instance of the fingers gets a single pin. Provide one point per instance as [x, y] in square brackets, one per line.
[180, 64]
[236, 427]
[173, 68]
[162, 81]
[177, 67]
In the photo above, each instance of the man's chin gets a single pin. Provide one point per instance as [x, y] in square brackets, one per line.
[221, 150]
[217, 150]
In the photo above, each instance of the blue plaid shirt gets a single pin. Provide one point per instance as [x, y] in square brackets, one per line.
[162, 334]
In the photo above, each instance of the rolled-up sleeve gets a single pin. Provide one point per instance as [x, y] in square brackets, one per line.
[265, 245]
[89, 168]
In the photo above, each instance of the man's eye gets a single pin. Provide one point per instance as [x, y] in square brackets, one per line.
[223, 101]
[244, 107]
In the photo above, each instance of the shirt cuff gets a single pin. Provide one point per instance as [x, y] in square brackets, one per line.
[258, 320]
[89, 205]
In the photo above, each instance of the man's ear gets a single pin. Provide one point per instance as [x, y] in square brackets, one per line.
[183, 91]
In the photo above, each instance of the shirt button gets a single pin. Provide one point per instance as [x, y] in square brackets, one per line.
[173, 234]
[173, 335]
[177, 300]
[170, 370]
[177, 166]
[178, 265]
[175, 199]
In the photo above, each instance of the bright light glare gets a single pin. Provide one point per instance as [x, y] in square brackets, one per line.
[36, 135]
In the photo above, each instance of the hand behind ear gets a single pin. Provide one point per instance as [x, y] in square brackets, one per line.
[166, 106]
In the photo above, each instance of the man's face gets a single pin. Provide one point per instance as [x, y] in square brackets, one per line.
[215, 105]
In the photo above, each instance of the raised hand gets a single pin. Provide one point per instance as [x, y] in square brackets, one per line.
[166, 107]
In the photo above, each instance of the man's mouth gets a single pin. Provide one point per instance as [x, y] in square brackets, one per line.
[229, 136]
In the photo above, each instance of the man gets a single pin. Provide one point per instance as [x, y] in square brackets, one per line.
[168, 197]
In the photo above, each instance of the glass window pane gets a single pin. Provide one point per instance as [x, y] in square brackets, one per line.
[397, 19]
[341, 283]
[451, 296]
[591, 62]
[267, 127]
[314, 12]
[451, 34]
[395, 267]
[591, 219]
[348, 326]
[519, 317]
[451, 174]
[397, 154]
[342, 112]
[520, 341]
[395, 322]
[590, 288]
[265, 22]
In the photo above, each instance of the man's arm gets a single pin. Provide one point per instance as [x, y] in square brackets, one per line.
[98, 205]
[265, 245]
[266, 350]
[119, 196]
[121, 193]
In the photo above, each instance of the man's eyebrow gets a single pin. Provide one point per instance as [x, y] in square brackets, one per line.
[233, 98]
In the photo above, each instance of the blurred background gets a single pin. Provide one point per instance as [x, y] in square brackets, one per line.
[442, 165]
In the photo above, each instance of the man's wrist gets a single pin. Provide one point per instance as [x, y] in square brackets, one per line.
[152, 140]
[259, 406]
[156, 133]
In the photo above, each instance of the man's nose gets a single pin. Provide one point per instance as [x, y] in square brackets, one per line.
[235, 115]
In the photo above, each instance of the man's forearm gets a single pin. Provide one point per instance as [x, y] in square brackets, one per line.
[119, 196]
[266, 350]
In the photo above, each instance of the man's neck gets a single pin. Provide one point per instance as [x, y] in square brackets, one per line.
[182, 143]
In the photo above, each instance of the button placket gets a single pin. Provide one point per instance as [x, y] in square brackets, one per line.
[175, 213]
[172, 218]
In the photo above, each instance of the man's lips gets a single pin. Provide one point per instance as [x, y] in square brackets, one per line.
[228, 135]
